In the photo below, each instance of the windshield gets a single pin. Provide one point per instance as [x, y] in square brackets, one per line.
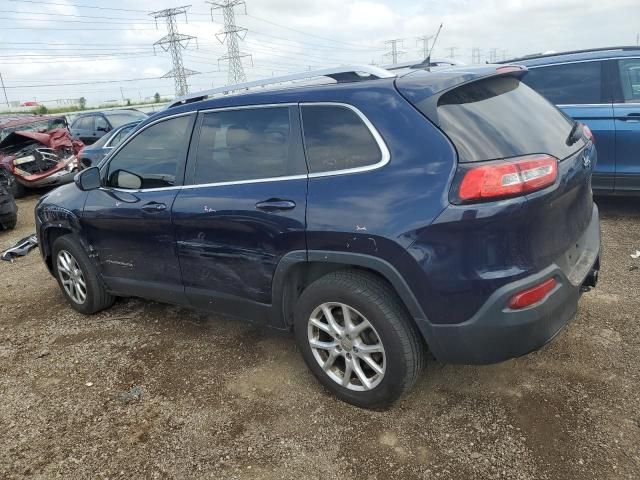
[500, 117]
[120, 118]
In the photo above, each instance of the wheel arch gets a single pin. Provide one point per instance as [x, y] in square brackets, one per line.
[299, 269]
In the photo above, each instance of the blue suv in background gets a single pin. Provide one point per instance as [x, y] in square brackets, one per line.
[601, 88]
[375, 215]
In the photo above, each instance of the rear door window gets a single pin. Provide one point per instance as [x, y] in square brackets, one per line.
[84, 123]
[569, 84]
[336, 138]
[500, 117]
[246, 144]
[630, 78]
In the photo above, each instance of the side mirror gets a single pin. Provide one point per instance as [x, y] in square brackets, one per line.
[88, 179]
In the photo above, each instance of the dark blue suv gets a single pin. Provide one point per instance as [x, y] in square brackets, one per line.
[375, 215]
[601, 88]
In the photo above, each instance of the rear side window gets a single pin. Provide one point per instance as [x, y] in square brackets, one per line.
[500, 117]
[630, 78]
[573, 83]
[118, 119]
[336, 138]
[84, 123]
[151, 158]
[248, 144]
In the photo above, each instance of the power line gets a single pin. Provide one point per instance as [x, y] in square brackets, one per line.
[174, 43]
[95, 82]
[49, 14]
[313, 35]
[231, 34]
[78, 5]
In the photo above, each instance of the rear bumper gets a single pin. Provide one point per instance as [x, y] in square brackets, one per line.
[496, 332]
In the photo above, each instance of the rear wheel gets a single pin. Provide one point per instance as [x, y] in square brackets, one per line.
[357, 338]
[78, 278]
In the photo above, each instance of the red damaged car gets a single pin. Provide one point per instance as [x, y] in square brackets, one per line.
[37, 151]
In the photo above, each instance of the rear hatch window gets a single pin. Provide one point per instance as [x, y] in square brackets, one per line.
[501, 117]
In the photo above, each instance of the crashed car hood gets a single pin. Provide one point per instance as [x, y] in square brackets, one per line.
[56, 138]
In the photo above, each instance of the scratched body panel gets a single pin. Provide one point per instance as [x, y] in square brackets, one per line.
[130, 242]
[226, 245]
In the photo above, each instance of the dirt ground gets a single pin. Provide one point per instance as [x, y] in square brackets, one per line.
[146, 390]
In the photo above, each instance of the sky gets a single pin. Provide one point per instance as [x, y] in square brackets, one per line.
[62, 49]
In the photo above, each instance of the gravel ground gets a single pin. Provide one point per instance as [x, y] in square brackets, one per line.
[146, 390]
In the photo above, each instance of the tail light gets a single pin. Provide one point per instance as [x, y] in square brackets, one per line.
[504, 178]
[532, 295]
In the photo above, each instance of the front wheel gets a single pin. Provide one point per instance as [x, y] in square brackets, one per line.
[78, 278]
[357, 338]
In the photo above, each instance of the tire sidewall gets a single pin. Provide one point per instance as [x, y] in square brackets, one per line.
[395, 372]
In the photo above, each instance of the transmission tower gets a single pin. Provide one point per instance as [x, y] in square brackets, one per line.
[425, 39]
[174, 43]
[452, 52]
[475, 55]
[493, 55]
[232, 34]
[394, 53]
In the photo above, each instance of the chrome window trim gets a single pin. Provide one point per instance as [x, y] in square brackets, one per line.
[113, 153]
[578, 61]
[385, 155]
[384, 150]
[563, 105]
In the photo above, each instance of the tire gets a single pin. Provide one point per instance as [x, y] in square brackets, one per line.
[372, 300]
[18, 190]
[96, 297]
[10, 224]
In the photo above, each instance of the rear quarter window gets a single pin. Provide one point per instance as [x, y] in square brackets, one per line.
[336, 138]
[500, 117]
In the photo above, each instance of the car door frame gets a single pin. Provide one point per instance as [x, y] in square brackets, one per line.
[628, 183]
[144, 289]
[269, 314]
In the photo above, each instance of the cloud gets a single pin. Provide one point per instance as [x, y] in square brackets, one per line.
[333, 32]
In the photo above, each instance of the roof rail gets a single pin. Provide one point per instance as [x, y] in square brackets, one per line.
[570, 52]
[347, 73]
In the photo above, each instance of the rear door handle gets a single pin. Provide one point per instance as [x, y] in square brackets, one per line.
[632, 117]
[154, 207]
[274, 204]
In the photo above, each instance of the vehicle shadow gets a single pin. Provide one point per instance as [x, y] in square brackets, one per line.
[612, 207]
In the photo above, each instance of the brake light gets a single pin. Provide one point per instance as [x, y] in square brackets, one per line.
[507, 178]
[532, 295]
[588, 133]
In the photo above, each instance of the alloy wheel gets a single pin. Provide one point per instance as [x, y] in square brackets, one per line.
[346, 346]
[71, 277]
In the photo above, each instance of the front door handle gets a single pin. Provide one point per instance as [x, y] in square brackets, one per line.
[274, 204]
[632, 117]
[154, 207]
